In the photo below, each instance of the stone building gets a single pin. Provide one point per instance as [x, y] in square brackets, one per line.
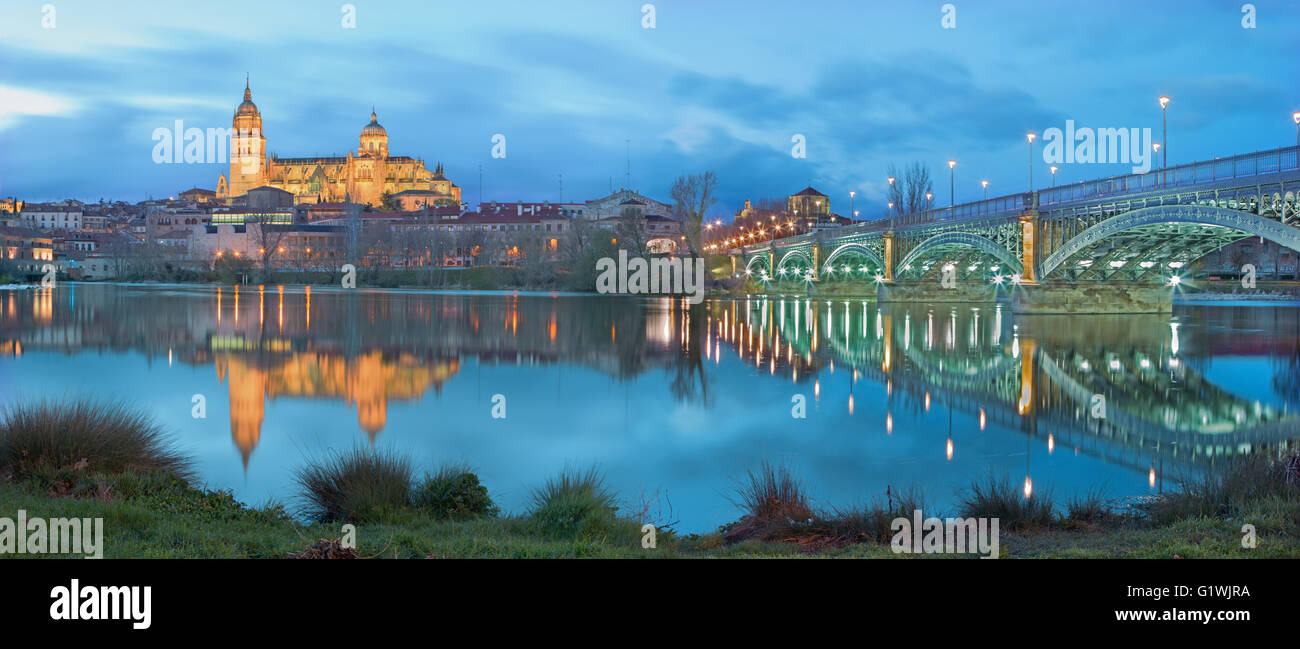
[368, 175]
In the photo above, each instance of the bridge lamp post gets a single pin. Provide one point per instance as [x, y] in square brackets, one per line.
[891, 204]
[852, 194]
[1164, 135]
[1155, 146]
[1053, 169]
[985, 185]
[952, 184]
[1295, 117]
[928, 197]
[1030, 137]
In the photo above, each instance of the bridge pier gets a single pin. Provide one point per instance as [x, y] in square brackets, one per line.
[935, 292]
[1057, 298]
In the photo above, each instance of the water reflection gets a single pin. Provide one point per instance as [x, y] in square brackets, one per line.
[702, 391]
[1125, 387]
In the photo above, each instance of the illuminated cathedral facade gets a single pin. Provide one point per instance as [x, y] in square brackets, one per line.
[363, 176]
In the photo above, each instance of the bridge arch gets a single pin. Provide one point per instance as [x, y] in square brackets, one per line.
[858, 248]
[795, 253]
[948, 239]
[759, 259]
[1247, 223]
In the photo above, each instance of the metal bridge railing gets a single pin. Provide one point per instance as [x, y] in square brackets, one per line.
[1246, 165]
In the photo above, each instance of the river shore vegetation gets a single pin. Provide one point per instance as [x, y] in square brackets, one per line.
[81, 458]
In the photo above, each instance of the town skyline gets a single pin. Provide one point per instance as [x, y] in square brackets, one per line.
[613, 104]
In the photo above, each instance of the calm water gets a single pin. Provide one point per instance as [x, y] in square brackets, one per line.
[673, 404]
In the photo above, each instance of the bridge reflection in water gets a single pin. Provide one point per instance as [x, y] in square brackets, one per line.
[286, 360]
[1124, 388]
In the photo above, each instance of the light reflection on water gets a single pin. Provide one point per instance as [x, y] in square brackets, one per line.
[673, 402]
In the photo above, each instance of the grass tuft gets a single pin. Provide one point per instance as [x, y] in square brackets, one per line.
[773, 492]
[85, 435]
[996, 497]
[355, 485]
[575, 504]
[1222, 494]
[1090, 507]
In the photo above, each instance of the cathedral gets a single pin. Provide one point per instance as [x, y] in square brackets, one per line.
[364, 176]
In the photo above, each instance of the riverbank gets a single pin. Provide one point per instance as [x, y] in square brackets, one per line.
[183, 522]
[372, 501]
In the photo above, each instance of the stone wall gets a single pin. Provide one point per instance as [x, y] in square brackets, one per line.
[936, 292]
[1091, 298]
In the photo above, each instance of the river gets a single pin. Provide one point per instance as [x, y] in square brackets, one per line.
[673, 402]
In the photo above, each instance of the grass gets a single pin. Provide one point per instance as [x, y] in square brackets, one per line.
[1227, 493]
[355, 485]
[577, 505]
[772, 492]
[996, 497]
[777, 510]
[107, 437]
[113, 463]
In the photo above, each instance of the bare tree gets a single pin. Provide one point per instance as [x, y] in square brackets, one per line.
[581, 231]
[270, 236]
[908, 191]
[630, 231]
[693, 195]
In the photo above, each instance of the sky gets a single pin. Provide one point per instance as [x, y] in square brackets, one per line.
[586, 91]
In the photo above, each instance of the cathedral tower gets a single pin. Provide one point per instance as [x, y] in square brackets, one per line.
[247, 148]
[370, 163]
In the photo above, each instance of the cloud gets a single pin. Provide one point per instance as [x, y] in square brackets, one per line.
[16, 103]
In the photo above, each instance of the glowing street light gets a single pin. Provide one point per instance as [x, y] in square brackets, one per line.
[1164, 135]
[1030, 137]
[1053, 169]
[1295, 117]
[952, 183]
[985, 185]
[891, 204]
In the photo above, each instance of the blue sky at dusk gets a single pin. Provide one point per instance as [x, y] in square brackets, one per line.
[716, 85]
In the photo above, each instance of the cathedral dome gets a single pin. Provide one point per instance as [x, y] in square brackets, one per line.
[247, 107]
[373, 128]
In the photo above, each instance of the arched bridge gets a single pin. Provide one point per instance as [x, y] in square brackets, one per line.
[1137, 230]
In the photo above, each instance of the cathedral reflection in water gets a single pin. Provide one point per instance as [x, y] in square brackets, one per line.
[1131, 390]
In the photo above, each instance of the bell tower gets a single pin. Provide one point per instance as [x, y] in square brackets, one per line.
[247, 147]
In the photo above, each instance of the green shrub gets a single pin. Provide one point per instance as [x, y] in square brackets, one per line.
[355, 485]
[85, 435]
[453, 492]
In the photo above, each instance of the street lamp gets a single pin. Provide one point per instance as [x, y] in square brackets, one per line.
[1053, 168]
[852, 193]
[985, 184]
[1164, 135]
[928, 196]
[1155, 146]
[1031, 137]
[891, 204]
[952, 184]
[1295, 117]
